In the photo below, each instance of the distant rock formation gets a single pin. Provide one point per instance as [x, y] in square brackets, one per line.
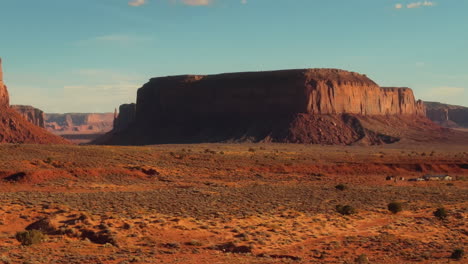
[33, 115]
[72, 123]
[447, 115]
[319, 106]
[14, 128]
[125, 117]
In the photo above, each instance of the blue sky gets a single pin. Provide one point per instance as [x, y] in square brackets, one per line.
[92, 55]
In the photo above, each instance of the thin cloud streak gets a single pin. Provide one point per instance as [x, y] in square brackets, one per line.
[413, 5]
[137, 3]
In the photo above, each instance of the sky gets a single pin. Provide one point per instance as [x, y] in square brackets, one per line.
[93, 55]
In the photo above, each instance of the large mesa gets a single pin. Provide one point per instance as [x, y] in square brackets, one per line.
[324, 106]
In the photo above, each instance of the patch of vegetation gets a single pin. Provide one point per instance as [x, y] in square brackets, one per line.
[395, 207]
[345, 209]
[362, 259]
[341, 187]
[30, 237]
[457, 254]
[441, 213]
[194, 243]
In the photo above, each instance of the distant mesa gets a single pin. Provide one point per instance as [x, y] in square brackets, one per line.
[79, 122]
[316, 106]
[15, 127]
[446, 115]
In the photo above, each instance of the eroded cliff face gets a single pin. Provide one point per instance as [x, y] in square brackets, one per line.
[447, 115]
[313, 91]
[303, 106]
[4, 98]
[33, 115]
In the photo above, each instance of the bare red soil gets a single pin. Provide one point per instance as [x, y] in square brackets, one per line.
[231, 203]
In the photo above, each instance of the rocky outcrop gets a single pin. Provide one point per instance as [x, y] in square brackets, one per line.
[4, 98]
[302, 106]
[125, 117]
[14, 128]
[447, 115]
[79, 122]
[33, 115]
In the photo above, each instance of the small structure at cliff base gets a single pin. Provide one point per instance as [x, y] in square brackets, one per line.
[317, 106]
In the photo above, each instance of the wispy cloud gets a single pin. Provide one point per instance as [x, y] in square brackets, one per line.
[415, 5]
[118, 39]
[244, 2]
[197, 2]
[137, 3]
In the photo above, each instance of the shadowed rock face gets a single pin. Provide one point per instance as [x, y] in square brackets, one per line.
[33, 115]
[447, 115]
[126, 117]
[312, 91]
[301, 106]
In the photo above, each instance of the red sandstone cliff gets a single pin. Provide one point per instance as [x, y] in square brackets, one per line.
[323, 106]
[33, 115]
[4, 98]
[14, 128]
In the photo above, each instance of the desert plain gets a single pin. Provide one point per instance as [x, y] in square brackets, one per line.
[232, 203]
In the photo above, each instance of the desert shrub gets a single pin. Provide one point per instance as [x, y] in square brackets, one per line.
[362, 259]
[395, 207]
[341, 187]
[30, 237]
[441, 213]
[194, 243]
[345, 210]
[251, 150]
[457, 254]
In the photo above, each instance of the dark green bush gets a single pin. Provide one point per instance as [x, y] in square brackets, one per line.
[441, 213]
[30, 237]
[457, 254]
[345, 210]
[341, 187]
[395, 207]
